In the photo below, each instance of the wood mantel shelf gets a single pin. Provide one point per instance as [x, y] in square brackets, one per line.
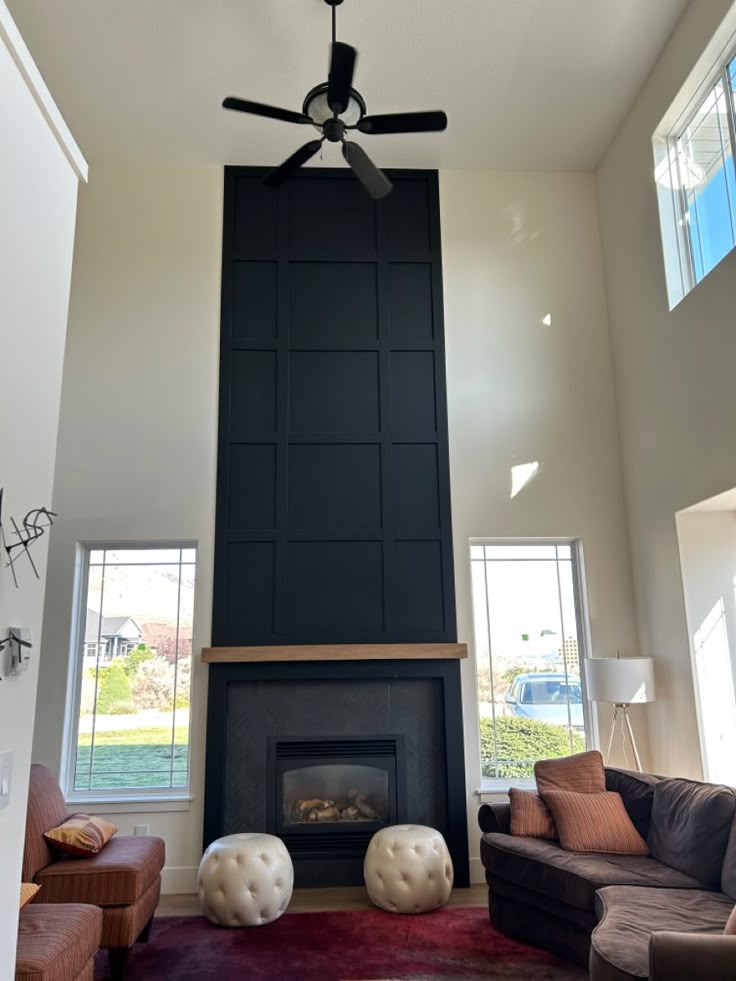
[334, 652]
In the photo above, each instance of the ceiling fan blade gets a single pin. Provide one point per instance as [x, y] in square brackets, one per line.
[294, 162]
[404, 122]
[372, 179]
[340, 79]
[259, 109]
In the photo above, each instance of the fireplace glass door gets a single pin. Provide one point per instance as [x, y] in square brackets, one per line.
[335, 793]
[328, 788]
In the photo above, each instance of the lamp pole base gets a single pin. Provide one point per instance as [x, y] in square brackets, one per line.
[620, 709]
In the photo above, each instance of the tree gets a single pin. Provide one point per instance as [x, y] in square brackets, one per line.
[166, 647]
[113, 692]
[519, 743]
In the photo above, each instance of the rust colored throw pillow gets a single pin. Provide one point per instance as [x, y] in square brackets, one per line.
[81, 835]
[582, 773]
[731, 925]
[594, 823]
[530, 816]
[27, 891]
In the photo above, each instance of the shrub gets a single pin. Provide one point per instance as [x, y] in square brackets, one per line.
[87, 701]
[113, 692]
[523, 740]
[153, 684]
[125, 707]
[183, 682]
[133, 659]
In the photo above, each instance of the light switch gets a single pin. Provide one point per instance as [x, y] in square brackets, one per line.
[6, 770]
[20, 649]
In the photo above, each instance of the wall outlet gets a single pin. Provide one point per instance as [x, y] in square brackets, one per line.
[142, 830]
[6, 771]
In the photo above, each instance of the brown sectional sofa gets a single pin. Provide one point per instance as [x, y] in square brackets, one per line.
[628, 917]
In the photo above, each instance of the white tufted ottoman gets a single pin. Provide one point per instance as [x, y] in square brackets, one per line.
[245, 880]
[408, 869]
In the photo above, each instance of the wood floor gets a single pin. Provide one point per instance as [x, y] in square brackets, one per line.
[321, 900]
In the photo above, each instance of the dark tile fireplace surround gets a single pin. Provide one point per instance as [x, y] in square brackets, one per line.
[324, 754]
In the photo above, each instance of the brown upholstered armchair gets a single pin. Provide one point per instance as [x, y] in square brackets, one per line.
[124, 879]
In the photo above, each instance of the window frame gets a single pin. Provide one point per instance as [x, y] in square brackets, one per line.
[179, 796]
[677, 248]
[492, 786]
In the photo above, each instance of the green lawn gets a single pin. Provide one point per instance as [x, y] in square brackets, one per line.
[132, 758]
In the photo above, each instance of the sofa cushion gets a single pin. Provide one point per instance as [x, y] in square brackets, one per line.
[728, 872]
[530, 816]
[730, 927]
[572, 877]
[118, 875]
[628, 916]
[56, 942]
[27, 891]
[691, 824]
[81, 835]
[46, 809]
[583, 773]
[594, 823]
[637, 791]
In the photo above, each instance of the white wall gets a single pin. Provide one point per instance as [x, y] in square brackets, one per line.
[674, 385]
[38, 190]
[517, 247]
[707, 542]
[137, 437]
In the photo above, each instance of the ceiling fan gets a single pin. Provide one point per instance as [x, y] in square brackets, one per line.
[334, 107]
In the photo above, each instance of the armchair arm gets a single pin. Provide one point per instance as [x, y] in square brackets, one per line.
[691, 956]
[495, 818]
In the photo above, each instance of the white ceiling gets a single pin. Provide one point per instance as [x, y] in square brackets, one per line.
[527, 84]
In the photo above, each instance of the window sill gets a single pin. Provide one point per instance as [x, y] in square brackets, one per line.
[491, 788]
[132, 805]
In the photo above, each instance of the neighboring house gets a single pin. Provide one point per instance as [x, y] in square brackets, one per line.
[109, 637]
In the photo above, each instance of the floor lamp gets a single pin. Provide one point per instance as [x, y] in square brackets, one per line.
[622, 681]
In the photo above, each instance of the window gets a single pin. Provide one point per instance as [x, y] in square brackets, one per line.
[696, 181]
[129, 721]
[528, 645]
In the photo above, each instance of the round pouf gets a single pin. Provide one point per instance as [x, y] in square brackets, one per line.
[408, 869]
[245, 880]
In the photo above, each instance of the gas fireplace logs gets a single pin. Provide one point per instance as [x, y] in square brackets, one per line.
[354, 807]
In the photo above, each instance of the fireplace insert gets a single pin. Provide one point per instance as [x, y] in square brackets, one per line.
[329, 796]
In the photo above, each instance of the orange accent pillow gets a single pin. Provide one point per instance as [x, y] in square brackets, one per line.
[27, 891]
[730, 928]
[81, 835]
[582, 773]
[594, 823]
[530, 816]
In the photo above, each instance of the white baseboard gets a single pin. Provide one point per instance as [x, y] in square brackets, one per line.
[183, 881]
[477, 872]
[179, 881]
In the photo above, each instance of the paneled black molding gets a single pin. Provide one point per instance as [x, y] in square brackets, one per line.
[333, 500]
[237, 758]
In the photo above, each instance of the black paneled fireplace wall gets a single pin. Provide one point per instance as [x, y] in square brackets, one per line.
[333, 502]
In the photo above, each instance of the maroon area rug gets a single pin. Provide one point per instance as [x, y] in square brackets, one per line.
[357, 945]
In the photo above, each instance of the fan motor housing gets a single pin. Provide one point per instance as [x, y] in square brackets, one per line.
[333, 130]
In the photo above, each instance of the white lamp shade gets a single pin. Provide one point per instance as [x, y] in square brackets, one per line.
[622, 680]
